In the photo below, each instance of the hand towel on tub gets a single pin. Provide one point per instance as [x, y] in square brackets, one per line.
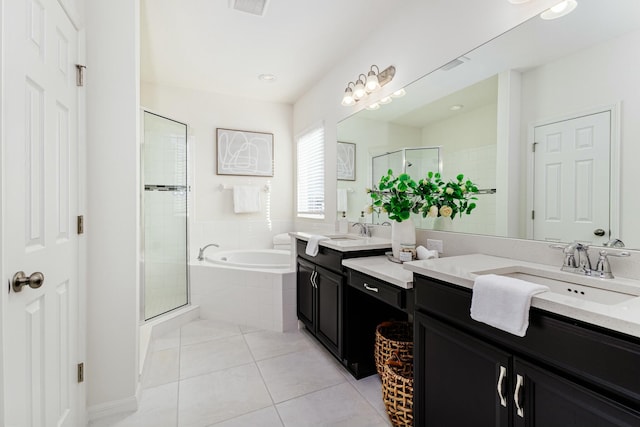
[341, 201]
[503, 302]
[246, 198]
[312, 244]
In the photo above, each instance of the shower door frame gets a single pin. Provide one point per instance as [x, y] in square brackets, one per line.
[142, 216]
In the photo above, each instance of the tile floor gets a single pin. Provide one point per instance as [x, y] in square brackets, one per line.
[210, 373]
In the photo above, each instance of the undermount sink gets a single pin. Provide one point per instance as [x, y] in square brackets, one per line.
[339, 237]
[564, 288]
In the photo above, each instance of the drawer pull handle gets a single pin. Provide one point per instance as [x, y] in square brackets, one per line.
[503, 374]
[516, 395]
[370, 288]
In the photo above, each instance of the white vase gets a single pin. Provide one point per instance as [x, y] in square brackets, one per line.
[402, 232]
[443, 223]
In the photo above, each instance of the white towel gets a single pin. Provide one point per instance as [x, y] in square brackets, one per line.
[424, 253]
[341, 200]
[503, 302]
[312, 244]
[246, 198]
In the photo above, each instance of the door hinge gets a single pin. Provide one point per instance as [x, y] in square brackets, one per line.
[533, 147]
[80, 74]
[533, 215]
[80, 372]
[80, 224]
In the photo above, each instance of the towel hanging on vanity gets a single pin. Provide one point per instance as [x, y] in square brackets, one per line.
[503, 302]
[246, 198]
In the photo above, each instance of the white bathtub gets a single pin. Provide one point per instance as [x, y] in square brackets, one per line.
[254, 288]
[258, 259]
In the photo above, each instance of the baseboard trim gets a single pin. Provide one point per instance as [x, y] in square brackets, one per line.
[115, 407]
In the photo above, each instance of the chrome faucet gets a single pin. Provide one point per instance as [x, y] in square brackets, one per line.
[364, 229]
[201, 252]
[576, 260]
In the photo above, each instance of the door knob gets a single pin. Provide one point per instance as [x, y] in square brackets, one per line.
[20, 279]
[599, 232]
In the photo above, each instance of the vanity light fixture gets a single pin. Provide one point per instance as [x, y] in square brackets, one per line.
[366, 84]
[561, 9]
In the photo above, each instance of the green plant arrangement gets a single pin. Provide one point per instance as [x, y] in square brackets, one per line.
[432, 197]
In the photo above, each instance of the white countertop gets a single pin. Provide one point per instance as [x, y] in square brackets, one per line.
[381, 268]
[622, 317]
[346, 242]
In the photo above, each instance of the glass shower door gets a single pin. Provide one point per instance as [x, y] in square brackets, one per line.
[165, 248]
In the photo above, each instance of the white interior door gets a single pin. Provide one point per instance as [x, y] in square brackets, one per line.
[40, 175]
[571, 179]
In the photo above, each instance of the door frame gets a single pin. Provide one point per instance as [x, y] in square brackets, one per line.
[614, 162]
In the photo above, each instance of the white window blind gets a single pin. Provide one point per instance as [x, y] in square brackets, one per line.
[311, 174]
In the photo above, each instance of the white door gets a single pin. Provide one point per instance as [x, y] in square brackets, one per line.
[571, 179]
[40, 176]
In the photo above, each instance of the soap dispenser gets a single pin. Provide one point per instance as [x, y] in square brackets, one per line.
[343, 224]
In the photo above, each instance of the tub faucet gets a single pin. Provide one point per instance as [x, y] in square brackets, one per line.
[201, 252]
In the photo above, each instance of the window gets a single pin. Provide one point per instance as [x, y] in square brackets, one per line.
[311, 173]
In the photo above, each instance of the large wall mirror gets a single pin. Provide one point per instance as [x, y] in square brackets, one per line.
[547, 115]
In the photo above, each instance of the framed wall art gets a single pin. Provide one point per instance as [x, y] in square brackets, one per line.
[243, 152]
[346, 158]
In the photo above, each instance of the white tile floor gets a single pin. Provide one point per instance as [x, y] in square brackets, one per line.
[210, 373]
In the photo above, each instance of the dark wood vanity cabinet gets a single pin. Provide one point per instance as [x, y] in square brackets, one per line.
[321, 294]
[320, 304]
[563, 373]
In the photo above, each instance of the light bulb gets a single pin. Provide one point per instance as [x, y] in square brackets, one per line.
[373, 106]
[359, 90]
[372, 81]
[385, 100]
[399, 93]
[561, 9]
[347, 99]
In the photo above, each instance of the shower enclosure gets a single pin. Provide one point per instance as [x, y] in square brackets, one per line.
[165, 256]
[415, 162]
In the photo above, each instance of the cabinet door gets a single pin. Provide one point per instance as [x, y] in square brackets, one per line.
[457, 378]
[305, 294]
[548, 400]
[329, 309]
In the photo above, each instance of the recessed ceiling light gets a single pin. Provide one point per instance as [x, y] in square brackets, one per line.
[561, 9]
[456, 107]
[267, 77]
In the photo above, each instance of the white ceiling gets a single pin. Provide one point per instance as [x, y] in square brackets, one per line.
[206, 45]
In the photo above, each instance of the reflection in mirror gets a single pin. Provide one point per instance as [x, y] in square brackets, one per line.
[412, 161]
[549, 82]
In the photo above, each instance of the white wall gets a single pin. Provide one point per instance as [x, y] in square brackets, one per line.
[603, 75]
[212, 219]
[112, 219]
[419, 38]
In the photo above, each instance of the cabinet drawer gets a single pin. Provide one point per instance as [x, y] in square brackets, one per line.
[383, 291]
[328, 258]
[606, 359]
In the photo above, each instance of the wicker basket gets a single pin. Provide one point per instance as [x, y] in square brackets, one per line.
[392, 337]
[397, 390]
